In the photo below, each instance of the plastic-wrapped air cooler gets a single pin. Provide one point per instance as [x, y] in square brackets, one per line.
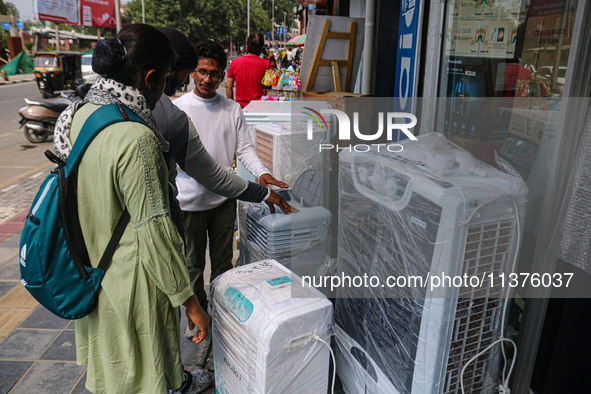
[300, 240]
[265, 341]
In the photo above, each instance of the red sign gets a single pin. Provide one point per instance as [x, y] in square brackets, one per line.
[97, 13]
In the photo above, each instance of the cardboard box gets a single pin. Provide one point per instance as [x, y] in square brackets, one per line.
[482, 150]
[530, 124]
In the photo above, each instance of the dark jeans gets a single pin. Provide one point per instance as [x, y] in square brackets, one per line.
[217, 224]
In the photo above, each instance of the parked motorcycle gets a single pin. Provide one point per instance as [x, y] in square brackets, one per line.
[39, 117]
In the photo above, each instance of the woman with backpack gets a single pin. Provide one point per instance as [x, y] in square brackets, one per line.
[131, 340]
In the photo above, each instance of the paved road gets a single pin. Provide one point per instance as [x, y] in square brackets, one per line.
[22, 164]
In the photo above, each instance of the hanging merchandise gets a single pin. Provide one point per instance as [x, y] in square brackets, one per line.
[284, 85]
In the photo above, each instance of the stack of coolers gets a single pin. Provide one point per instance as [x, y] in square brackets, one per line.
[264, 339]
[428, 211]
[278, 130]
[300, 241]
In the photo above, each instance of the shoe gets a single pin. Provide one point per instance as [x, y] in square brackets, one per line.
[201, 381]
[190, 333]
[195, 382]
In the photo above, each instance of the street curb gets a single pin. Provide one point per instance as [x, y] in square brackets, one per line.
[15, 81]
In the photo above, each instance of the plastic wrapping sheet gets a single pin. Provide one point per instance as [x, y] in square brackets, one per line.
[300, 241]
[572, 239]
[263, 338]
[419, 216]
[284, 148]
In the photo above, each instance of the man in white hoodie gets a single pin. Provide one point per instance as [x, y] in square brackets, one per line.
[223, 130]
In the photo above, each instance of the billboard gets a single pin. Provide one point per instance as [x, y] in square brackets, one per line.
[58, 11]
[97, 13]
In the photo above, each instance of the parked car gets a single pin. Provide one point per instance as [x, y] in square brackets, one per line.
[88, 75]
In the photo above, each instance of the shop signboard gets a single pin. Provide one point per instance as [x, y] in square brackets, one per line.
[58, 11]
[97, 13]
[407, 55]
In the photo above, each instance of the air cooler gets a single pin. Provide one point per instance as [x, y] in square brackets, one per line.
[263, 339]
[283, 115]
[300, 240]
[430, 210]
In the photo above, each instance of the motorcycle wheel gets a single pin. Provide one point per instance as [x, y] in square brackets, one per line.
[35, 136]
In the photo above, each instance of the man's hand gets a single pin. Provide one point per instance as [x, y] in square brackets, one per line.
[276, 199]
[197, 317]
[268, 179]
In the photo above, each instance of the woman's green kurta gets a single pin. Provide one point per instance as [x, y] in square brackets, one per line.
[131, 340]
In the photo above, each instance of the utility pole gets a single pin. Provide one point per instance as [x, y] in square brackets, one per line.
[117, 16]
[247, 18]
[273, 23]
[143, 13]
[284, 29]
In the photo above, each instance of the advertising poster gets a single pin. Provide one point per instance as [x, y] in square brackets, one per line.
[488, 33]
[97, 13]
[500, 40]
[58, 11]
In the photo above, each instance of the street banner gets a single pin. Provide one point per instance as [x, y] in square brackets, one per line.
[58, 11]
[97, 13]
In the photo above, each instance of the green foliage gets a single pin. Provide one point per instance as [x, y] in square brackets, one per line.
[2, 39]
[12, 10]
[281, 6]
[219, 20]
[3, 9]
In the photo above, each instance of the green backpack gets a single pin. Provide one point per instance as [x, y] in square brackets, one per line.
[54, 263]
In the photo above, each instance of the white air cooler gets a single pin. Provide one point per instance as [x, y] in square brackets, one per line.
[428, 210]
[263, 339]
[300, 240]
[287, 116]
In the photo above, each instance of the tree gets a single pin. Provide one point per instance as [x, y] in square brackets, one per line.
[12, 10]
[219, 20]
[281, 6]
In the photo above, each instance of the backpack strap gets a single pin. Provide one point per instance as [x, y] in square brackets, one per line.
[114, 241]
[103, 117]
[94, 124]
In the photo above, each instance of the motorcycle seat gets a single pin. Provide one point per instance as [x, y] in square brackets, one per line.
[54, 106]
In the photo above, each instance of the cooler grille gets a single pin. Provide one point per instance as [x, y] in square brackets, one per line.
[264, 148]
[477, 318]
[278, 245]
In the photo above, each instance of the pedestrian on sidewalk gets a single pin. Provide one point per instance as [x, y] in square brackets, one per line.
[209, 217]
[248, 71]
[187, 150]
[131, 340]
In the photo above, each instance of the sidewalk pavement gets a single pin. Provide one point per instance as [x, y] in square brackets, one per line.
[37, 348]
[17, 78]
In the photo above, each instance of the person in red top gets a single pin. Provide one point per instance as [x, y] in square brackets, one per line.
[248, 71]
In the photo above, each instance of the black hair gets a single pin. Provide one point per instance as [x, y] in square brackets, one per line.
[137, 48]
[212, 50]
[255, 43]
[186, 56]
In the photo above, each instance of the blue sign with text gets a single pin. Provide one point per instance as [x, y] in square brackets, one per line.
[406, 56]
[6, 25]
[19, 24]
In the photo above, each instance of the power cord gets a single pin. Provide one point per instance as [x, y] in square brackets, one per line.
[502, 388]
[334, 364]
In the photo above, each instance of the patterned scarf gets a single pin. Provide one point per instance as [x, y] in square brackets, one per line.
[103, 92]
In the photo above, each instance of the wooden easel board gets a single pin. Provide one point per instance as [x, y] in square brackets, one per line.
[333, 49]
